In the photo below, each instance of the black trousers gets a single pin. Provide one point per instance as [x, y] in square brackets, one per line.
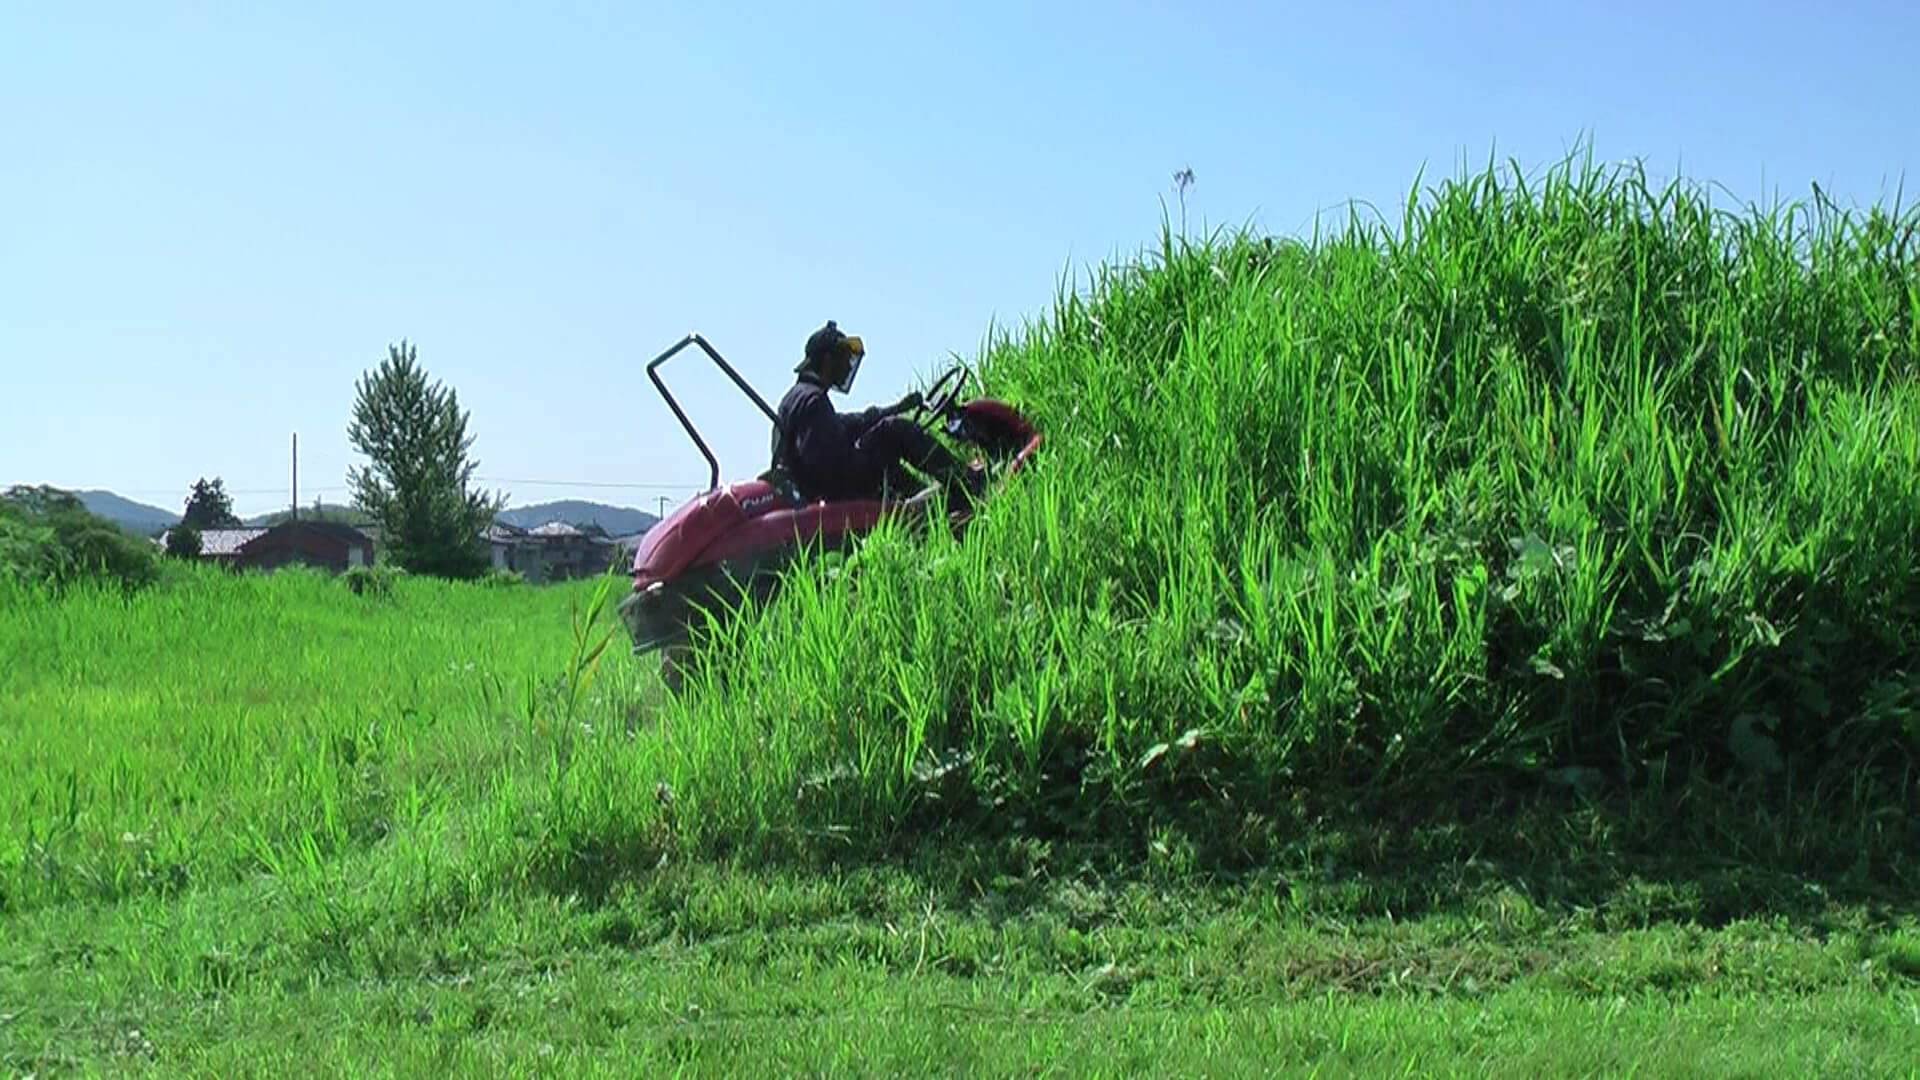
[886, 446]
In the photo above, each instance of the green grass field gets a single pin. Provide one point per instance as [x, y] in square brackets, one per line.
[1489, 645]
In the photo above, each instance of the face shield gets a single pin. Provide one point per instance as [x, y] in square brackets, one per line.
[856, 351]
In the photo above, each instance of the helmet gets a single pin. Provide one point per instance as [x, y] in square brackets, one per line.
[828, 349]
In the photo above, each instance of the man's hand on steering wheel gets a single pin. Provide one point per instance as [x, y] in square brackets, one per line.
[909, 403]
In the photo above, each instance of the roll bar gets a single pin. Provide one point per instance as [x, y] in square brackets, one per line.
[719, 361]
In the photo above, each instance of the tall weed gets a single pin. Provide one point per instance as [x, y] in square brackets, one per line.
[1566, 474]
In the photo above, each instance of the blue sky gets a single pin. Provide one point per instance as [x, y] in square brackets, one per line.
[217, 216]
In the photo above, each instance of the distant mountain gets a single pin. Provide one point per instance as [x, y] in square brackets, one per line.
[147, 520]
[617, 520]
[129, 515]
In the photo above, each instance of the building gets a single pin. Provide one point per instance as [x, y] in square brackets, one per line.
[323, 545]
[556, 551]
[222, 546]
[502, 542]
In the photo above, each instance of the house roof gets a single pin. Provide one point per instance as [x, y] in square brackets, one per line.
[502, 533]
[231, 542]
[223, 541]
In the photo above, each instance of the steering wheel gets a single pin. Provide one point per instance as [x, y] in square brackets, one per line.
[940, 397]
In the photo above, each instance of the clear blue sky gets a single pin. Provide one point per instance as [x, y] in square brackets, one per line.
[214, 217]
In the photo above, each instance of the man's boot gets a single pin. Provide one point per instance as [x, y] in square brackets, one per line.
[959, 479]
[964, 482]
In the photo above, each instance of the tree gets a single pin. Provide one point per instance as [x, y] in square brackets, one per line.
[183, 541]
[48, 535]
[415, 435]
[209, 506]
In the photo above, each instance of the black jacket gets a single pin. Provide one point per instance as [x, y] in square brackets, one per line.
[815, 442]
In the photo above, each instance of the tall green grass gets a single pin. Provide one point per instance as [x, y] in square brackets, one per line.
[1571, 479]
[220, 725]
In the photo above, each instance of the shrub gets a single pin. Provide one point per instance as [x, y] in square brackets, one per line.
[183, 541]
[47, 535]
[26, 549]
[375, 580]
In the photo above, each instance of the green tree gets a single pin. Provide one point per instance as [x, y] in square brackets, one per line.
[48, 535]
[183, 541]
[209, 506]
[28, 553]
[415, 436]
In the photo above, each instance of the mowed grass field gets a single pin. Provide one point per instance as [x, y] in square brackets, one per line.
[1487, 646]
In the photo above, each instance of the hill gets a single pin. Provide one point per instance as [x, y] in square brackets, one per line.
[326, 511]
[1574, 483]
[124, 512]
[616, 520]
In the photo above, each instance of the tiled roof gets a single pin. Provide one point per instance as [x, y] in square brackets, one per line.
[223, 541]
[231, 542]
[501, 533]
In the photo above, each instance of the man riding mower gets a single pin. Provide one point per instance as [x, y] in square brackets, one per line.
[857, 455]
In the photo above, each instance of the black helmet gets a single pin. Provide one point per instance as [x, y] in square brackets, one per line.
[828, 348]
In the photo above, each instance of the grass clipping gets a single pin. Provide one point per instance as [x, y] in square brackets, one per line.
[1584, 482]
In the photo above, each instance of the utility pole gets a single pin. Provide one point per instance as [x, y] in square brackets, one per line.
[296, 477]
[663, 505]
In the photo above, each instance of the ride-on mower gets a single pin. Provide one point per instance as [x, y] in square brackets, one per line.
[732, 542]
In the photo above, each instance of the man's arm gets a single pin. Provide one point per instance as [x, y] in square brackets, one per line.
[858, 422]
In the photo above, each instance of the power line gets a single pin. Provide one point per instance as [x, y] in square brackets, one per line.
[645, 485]
[648, 485]
[158, 492]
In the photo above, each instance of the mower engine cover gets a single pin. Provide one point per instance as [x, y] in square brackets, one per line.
[675, 542]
